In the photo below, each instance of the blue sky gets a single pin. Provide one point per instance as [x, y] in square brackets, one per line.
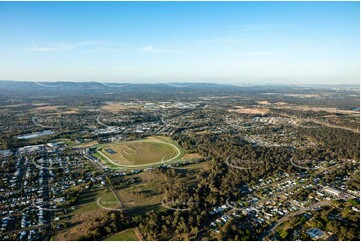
[228, 42]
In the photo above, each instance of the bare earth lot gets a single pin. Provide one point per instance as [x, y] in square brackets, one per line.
[242, 110]
[116, 107]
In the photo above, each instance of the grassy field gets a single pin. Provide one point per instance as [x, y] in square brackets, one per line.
[191, 157]
[140, 153]
[125, 235]
[106, 161]
[144, 196]
[86, 144]
[66, 141]
[138, 199]
[92, 204]
[147, 195]
[192, 171]
[89, 199]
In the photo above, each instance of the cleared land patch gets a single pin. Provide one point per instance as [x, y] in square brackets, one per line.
[305, 108]
[116, 107]
[191, 156]
[263, 102]
[56, 109]
[243, 110]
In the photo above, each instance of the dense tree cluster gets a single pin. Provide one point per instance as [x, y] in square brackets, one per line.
[111, 223]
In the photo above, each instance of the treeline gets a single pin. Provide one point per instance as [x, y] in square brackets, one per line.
[124, 182]
[335, 143]
[111, 223]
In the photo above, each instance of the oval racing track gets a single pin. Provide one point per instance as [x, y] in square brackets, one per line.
[146, 165]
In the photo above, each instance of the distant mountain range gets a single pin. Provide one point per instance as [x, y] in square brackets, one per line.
[102, 86]
[13, 90]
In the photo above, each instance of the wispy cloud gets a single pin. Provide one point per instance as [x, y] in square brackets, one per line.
[63, 46]
[93, 46]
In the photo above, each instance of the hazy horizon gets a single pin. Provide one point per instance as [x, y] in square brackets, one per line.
[191, 82]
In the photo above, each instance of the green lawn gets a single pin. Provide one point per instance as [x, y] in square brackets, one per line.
[66, 141]
[88, 200]
[125, 235]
